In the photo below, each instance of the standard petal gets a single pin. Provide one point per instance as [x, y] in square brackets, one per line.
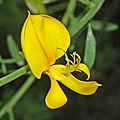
[52, 34]
[33, 50]
[85, 69]
[41, 37]
[55, 97]
[79, 86]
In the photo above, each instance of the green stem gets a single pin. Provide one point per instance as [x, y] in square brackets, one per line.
[86, 2]
[11, 115]
[14, 75]
[12, 102]
[69, 11]
[8, 61]
[57, 7]
[87, 17]
[4, 68]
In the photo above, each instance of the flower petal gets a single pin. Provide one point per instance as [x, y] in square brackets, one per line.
[41, 36]
[52, 34]
[85, 69]
[33, 50]
[79, 86]
[55, 97]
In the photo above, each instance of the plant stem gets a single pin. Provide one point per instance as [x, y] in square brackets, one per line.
[14, 75]
[69, 11]
[8, 61]
[87, 17]
[11, 115]
[56, 8]
[12, 102]
[86, 2]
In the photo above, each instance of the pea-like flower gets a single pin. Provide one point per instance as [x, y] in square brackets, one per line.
[44, 39]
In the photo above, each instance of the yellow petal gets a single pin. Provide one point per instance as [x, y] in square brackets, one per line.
[55, 97]
[41, 36]
[53, 34]
[33, 50]
[79, 86]
[85, 69]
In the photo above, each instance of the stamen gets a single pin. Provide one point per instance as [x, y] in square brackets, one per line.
[73, 58]
[66, 58]
[76, 57]
[72, 65]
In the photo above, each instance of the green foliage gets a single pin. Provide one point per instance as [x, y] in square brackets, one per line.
[81, 21]
[90, 48]
[36, 6]
[3, 66]
[87, 2]
[14, 51]
[11, 115]
[11, 103]
[10, 77]
[76, 20]
[11, 44]
[75, 24]
[99, 25]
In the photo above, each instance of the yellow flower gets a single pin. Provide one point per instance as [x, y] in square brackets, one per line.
[44, 39]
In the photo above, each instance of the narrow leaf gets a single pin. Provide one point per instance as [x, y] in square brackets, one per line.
[98, 25]
[86, 2]
[14, 51]
[12, 46]
[82, 21]
[3, 66]
[90, 48]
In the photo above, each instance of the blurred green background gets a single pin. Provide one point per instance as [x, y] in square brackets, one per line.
[105, 103]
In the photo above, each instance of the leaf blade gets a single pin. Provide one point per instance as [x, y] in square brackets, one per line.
[90, 48]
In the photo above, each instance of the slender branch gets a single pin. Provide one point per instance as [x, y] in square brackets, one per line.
[86, 2]
[14, 75]
[87, 17]
[69, 11]
[12, 102]
[11, 115]
[8, 60]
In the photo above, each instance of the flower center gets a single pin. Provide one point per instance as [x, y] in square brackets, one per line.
[72, 65]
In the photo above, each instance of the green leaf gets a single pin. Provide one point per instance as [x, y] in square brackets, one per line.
[86, 2]
[14, 51]
[3, 66]
[12, 46]
[69, 13]
[14, 100]
[82, 21]
[90, 48]
[36, 6]
[60, 6]
[50, 1]
[98, 25]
